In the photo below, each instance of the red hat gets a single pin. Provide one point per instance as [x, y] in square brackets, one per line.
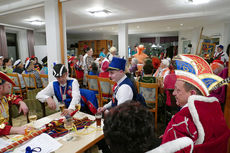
[105, 66]
[4, 78]
[71, 59]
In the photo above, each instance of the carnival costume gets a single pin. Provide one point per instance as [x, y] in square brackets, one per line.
[4, 106]
[201, 119]
[140, 56]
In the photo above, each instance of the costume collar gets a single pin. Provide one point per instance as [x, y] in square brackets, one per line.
[122, 79]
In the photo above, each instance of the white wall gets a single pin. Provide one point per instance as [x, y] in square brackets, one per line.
[40, 52]
[220, 30]
[39, 38]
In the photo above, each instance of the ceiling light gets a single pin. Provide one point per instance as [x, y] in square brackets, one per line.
[181, 24]
[37, 22]
[100, 13]
[138, 27]
[198, 1]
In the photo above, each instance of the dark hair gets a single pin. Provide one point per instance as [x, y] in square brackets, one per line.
[6, 60]
[148, 68]
[129, 128]
[94, 68]
[188, 87]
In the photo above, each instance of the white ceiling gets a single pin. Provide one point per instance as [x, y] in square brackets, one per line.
[142, 16]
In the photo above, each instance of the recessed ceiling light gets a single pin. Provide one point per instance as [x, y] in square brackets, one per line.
[90, 29]
[181, 24]
[37, 22]
[138, 27]
[100, 13]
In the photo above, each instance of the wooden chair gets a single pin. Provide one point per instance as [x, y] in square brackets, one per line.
[17, 89]
[92, 81]
[44, 78]
[150, 93]
[30, 81]
[105, 90]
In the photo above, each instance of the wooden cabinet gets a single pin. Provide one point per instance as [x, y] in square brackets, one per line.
[97, 45]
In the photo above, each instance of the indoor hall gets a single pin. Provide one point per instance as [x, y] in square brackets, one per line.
[62, 30]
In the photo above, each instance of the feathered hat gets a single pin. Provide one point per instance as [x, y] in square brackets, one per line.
[196, 71]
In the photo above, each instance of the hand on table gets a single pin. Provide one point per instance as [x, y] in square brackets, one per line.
[18, 130]
[67, 112]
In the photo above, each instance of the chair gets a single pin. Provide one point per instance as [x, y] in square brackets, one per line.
[17, 89]
[105, 90]
[30, 81]
[92, 82]
[150, 93]
[44, 78]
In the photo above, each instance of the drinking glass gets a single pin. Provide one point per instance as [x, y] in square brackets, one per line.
[61, 106]
[98, 117]
[32, 116]
[78, 107]
[68, 124]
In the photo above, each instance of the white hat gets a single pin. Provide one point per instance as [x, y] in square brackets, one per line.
[1, 57]
[112, 49]
[27, 64]
[16, 63]
[165, 62]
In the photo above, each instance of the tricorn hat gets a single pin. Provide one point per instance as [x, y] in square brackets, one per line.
[59, 70]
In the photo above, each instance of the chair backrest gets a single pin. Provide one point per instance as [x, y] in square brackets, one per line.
[15, 78]
[104, 86]
[92, 82]
[44, 78]
[149, 91]
[30, 81]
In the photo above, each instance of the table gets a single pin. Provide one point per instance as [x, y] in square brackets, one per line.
[82, 142]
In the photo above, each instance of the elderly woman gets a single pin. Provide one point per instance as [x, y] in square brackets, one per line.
[112, 53]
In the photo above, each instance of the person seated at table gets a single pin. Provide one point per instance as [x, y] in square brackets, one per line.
[44, 69]
[94, 69]
[64, 89]
[18, 66]
[148, 76]
[124, 88]
[7, 100]
[163, 70]
[200, 117]
[133, 66]
[7, 66]
[29, 69]
[129, 128]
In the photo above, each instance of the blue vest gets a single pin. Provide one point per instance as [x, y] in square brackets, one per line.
[129, 83]
[68, 92]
